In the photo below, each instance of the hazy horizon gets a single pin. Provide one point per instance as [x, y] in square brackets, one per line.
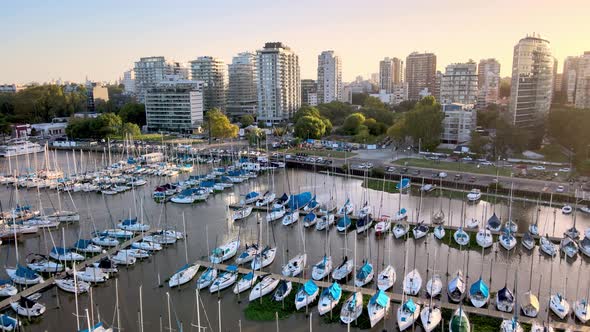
[99, 40]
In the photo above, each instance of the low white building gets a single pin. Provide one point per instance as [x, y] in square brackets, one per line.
[460, 120]
[50, 129]
[398, 94]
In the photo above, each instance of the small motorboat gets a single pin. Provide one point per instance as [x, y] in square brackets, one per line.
[68, 285]
[474, 195]
[242, 213]
[283, 290]
[295, 266]
[364, 275]
[225, 279]
[309, 220]
[248, 254]
[343, 270]
[567, 209]
[264, 259]
[419, 231]
[479, 293]
[407, 314]
[224, 252]
[322, 268]
[434, 286]
[559, 305]
[329, 298]
[484, 238]
[456, 287]
[264, 287]
[306, 294]
[245, 283]
[352, 308]
[438, 217]
[378, 306]
[461, 237]
[28, 307]
[206, 279]
[386, 278]
[584, 209]
[412, 283]
[185, 274]
[528, 241]
[439, 232]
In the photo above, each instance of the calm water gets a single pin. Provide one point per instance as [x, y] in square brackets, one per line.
[207, 225]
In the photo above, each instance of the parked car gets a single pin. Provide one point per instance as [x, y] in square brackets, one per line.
[565, 170]
[539, 168]
[560, 189]
[442, 175]
[472, 179]
[458, 176]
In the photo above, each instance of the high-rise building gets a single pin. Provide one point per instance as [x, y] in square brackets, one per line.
[583, 82]
[532, 81]
[95, 93]
[390, 73]
[569, 78]
[129, 82]
[174, 105]
[329, 81]
[151, 70]
[241, 95]
[420, 74]
[279, 85]
[308, 87]
[459, 84]
[211, 71]
[488, 82]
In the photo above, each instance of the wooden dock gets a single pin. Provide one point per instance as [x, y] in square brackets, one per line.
[50, 282]
[490, 311]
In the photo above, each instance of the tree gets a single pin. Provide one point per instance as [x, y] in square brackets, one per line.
[375, 128]
[505, 85]
[404, 106]
[255, 135]
[134, 113]
[487, 118]
[130, 129]
[477, 143]
[279, 131]
[106, 125]
[352, 123]
[359, 98]
[310, 127]
[246, 120]
[335, 111]
[422, 124]
[306, 111]
[219, 125]
[328, 125]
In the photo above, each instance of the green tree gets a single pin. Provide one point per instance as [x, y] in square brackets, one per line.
[328, 125]
[310, 127]
[423, 123]
[335, 111]
[255, 135]
[130, 129]
[375, 128]
[246, 120]
[106, 125]
[219, 125]
[477, 143]
[487, 118]
[306, 111]
[352, 123]
[279, 131]
[359, 98]
[134, 113]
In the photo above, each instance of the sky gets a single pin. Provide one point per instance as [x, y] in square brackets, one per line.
[74, 40]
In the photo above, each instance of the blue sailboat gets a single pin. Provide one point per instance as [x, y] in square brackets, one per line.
[343, 223]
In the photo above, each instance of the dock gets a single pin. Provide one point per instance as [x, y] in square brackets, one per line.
[397, 298]
[50, 282]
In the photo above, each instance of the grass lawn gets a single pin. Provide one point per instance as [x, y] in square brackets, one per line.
[322, 153]
[452, 166]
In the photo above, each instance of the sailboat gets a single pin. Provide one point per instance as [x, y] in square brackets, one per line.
[133, 225]
[507, 240]
[310, 220]
[494, 224]
[346, 209]
[224, 252]
[412, 282]
[386, 278]
[505, 300]
[264, 258]
[24, 276]
[364, 275]
[569, 247]
[582, 308]
[378, 306]
[438, 217]
[225, 279]
[484, 236]
[329, 298]
[283, 290]
[528, 241]
[295, 266]
[206, 278]
[342, 271]
[306, 294]
[9, 323]
[479, 292]
[459, 322]
[246, 282]
[407, 313]
[277, 212]
[559, 305]
[352, 308]
[456, 287]
[248, 254]
[28, 306]
[291, 217]
[7, 289]
[430, 316]
[343, 223]
[265, 286]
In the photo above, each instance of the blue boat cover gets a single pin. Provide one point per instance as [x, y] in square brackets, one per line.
[298, 201]
[335, 291]
[82, 244]
[505, 295]
[25, 272]
[232, 268]
[252, 194]
[479, 287]
[184, 267]
[95, 327]
[352, 303]
[403, 211]
[363, 221]
[410, 306]
[128, 222]
[60, 250]
[344, 221]
[364, 271]
[404, 183]
[494, 221]
[380, 298]
[5, 281]
[310, 287]
[309, 217]
[249, 276]
[7, 321]
[207, 184]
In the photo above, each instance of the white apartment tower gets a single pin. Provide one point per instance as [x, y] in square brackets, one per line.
[211, 71]
[459, 84]
[329, 81]
[151, 70]
[488, 82]
[174, 106]
[532, 81]
[279, 85]
[242, 94]
[129, 82]
[583, 82]
[390, 73]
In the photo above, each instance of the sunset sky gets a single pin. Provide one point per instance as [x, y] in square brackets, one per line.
[71, 40]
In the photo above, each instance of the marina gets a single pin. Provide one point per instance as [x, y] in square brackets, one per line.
[209, 224]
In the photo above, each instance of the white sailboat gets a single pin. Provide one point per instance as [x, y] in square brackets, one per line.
[378, 307]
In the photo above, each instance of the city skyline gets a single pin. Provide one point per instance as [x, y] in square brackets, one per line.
[73, 40]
